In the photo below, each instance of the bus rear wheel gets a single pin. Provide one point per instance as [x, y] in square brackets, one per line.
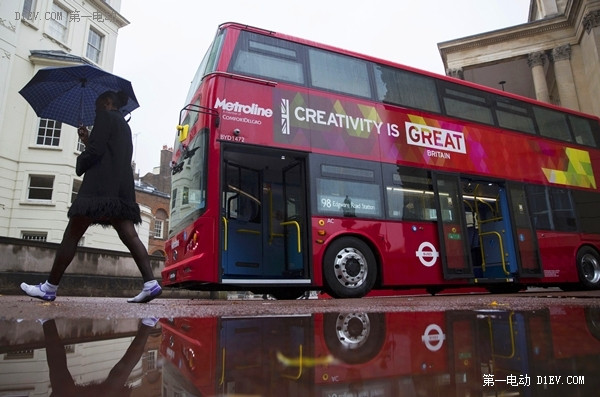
[349, 268]
[588, 267]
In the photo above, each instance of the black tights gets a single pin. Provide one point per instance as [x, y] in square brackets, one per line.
[75, 230]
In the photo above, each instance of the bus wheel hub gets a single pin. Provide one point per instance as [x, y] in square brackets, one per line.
[591, 268]
[350, 267]
[353, 329]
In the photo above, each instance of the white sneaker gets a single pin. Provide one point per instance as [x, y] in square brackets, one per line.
[150, 321]
[36, 291]
[146, 295]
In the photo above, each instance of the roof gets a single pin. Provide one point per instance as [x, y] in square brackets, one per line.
[148, 188]
[58, 55]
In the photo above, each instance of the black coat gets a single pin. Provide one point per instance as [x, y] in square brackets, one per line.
[107, 190]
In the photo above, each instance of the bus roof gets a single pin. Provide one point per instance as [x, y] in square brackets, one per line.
[240, 26]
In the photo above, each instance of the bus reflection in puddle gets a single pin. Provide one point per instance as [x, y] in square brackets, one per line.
[452, 353]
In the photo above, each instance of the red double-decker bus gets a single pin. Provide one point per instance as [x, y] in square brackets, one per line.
[298, 166]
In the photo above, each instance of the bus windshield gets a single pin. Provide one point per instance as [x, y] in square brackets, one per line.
[188, 182]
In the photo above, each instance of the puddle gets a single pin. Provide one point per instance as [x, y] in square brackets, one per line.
[552, 351]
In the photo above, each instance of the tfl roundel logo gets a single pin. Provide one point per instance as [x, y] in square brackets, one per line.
[427, 254]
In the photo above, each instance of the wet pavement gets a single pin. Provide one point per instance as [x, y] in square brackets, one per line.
[526, 344]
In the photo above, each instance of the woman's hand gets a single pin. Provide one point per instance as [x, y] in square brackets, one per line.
[84, 134]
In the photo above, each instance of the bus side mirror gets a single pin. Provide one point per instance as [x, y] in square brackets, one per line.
[182, 132]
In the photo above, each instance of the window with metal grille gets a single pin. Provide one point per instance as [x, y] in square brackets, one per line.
[34, 236]
[49, 132]
[19, 355]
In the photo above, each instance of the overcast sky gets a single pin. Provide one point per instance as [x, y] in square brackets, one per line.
[165, 41]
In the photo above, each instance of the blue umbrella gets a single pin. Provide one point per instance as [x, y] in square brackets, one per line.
[68, 94]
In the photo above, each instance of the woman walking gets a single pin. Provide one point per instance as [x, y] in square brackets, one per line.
[106, 197]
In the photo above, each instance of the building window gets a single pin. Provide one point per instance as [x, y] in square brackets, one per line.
[75, 189]
[19, 355]
[28, 9]
[151, 359]
[49, 132]
[58, 23]
[158, 228]
[40, 187]
[80, 145]
[34, 236]
[94, 46]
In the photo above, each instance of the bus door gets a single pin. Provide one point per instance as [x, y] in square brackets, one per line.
[242, 221]
[264, 216]
[526, 239]
[491, 210]
[454, 244]
[294, 223]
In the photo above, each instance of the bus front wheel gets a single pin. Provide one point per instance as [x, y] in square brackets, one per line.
[588, 267]
[354, 338]
[349, 268]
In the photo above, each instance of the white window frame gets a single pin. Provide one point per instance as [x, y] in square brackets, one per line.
[56, 28]
[158, 228]
[75, 186]
[28, 8]
[52, 131]
[96, 48]
[41, 188]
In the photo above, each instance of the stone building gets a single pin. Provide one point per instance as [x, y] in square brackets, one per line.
[553, 57]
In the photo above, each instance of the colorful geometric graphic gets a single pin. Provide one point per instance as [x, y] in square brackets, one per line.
[578, 171]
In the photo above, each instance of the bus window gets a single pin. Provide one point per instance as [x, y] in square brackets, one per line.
[562, 210]
[399, 87]
[409, 194]
[467, 104]
[552, 124]
[514, 116]
[539, 204]
[588, 210]
[339, 73]
[267, 58]
[346, 198]
[208, 65]
[347, 191]
[551, 208]
[583, 131]
[241, 198]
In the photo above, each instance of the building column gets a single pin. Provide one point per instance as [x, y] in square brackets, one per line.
[536, 61]
[591, 20]
[561, 56]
